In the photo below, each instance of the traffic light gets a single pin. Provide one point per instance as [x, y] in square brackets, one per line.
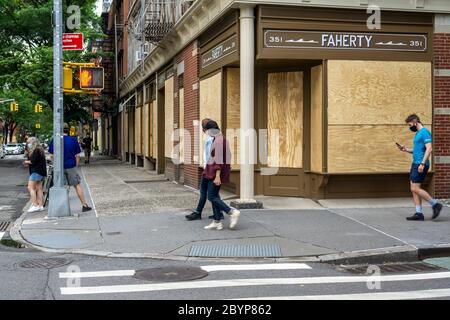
[68, 78]
[91, 78]
[37, 108]
[14, 107]
[38, 125]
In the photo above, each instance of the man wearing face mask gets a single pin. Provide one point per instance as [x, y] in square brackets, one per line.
[421, 164]
[197, 213]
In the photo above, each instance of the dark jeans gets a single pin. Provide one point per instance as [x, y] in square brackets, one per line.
[217, 203]
[203, 196]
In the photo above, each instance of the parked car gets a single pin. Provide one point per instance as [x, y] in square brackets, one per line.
[13, 148]
[2, 152]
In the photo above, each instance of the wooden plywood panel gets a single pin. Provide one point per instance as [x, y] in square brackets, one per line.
[181, 125]
[368, 149]
[168, 108]
[378, 92]
[317, 119]
[285, 114]
[131, 131]
[154, 129]
[125, 131]
[145, 130]
[234, 114]
[138, 130]
[210, 104]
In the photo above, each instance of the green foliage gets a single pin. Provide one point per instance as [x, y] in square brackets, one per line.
[26, 60]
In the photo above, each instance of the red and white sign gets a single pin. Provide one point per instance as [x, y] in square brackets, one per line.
[72, 41]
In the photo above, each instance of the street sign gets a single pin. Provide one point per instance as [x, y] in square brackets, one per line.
[72, 41]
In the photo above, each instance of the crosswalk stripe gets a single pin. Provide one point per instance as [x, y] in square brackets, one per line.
[1, 235]
[211, 268]
[403, 295]
[249, 282]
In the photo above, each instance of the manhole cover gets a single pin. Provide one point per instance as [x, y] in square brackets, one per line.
[168, 274]
[44, 263]
[4, 225]
[393, 268]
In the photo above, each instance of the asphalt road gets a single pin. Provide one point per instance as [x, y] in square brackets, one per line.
[83, 277]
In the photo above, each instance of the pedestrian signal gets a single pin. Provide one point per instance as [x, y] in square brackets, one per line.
[91, 78]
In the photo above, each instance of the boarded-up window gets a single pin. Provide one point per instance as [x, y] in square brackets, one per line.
[316, 119]
[285, 116]
[145, 129]
[234, 114]
[138, 130]
[368, 102]
[168, 115]
[154, 131]
[125, 130]
[210, 104]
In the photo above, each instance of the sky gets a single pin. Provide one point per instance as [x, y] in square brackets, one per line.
[99, 7]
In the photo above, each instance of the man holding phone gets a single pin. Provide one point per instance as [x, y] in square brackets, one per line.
[421, 164]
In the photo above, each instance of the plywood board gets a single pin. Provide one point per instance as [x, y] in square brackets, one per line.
[168, 115]
[138, 130]
[233, 111]
[378, 92]
[154, 129]
[181, 126]
[317, 119]
[368, 149]
[125, 130]
[131, 131]
[285, 114]
[145, 130]
[210, 105]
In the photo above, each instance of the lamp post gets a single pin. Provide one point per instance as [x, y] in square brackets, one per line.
[59, 195]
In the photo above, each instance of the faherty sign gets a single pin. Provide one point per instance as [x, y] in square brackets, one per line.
[219, 52]
[290, 39]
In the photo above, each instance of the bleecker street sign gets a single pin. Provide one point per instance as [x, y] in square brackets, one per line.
[72, 41]
[290, 39]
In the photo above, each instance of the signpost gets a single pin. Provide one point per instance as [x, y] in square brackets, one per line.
[72, 41]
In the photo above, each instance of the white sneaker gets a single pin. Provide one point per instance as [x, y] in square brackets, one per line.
[234, 218]
[41, 208]
[214, 225]
[33, 208]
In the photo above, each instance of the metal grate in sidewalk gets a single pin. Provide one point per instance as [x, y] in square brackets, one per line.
[393, 268]
[236, 251]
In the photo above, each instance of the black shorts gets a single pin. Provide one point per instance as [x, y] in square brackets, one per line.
[415, 176]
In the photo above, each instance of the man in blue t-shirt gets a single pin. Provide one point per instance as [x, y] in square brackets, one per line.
[421, 164]
[72, 152]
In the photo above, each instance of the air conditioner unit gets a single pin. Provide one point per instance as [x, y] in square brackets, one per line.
[138, 56]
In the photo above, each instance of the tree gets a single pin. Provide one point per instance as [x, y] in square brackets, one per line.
[26, 57]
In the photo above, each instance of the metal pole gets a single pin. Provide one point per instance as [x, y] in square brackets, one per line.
[59, 195]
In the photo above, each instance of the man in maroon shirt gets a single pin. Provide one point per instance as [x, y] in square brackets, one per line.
[216, 172]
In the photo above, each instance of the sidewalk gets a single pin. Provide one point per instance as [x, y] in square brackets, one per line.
[140, 214]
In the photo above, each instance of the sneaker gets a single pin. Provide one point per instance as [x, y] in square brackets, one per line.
[214, 225]
[234, 217]
[86, 208]
[33, 208]
[41, 208]
[416, 217]
[437, 208]
[193, 216]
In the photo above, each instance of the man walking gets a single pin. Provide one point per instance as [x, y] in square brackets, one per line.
[421, 164]
[71, 161]
[197, 213]
[87, 147]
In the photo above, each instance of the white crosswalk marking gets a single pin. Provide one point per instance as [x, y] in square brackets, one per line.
[211, 268]
[403, 295]
[248, 282]
[1, 235]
